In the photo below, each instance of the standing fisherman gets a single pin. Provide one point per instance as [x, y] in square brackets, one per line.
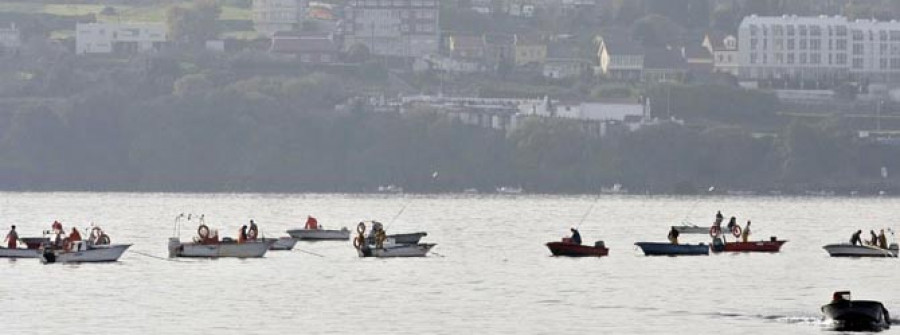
[746, 233]
[673, 235]
[12, 237]
[253, 233]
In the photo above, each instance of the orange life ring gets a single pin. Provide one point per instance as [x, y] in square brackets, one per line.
[736, 231]
[361, 228]
[357, 243]
[203, 231]
[103, 240]
[252, 234]
[715, 231]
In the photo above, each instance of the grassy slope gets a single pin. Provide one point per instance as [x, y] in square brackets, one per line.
[125, 14]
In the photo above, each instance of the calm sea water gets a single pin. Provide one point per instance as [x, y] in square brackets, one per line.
[490, 272]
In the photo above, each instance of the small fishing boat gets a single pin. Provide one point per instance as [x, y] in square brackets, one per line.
[31, 250]
[570, 249]
[689, 228]
[320, 234]
[856, 315]
[390, 189]
[669, 249]
[85, 252]
[408, 238]
[224, 248]
[773, 245]
[389, 247]
[207, 244]
[850, 250]
[281, 243]
[396, 250]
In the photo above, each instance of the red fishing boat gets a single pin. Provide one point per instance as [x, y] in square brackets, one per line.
[773, 245]
[570, 249]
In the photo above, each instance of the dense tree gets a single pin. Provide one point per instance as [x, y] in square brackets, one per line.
[194, 25]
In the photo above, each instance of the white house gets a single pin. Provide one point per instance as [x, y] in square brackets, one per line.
[724, 50]
[97, 38]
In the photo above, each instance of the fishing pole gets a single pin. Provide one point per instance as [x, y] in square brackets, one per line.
[309, 252]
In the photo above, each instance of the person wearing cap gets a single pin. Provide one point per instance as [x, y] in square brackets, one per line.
[882, 240]
[576, 236]
[719, 218]
[12, 237]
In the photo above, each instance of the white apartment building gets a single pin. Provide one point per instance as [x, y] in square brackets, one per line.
[272, 16]
[118, 37]
[403, 28]
[821, 48]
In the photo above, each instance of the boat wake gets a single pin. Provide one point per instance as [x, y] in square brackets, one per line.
[810, 320]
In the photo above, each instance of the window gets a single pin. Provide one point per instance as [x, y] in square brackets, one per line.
[815, 59]
[857, 63]
[779, 44]
[815, 31]
[790, 44]
[842, 44]
[753, 30]
[858, 35]
[815, 45]
[753, 43]
[779, 58]
[857, 49]
[803, 44]
[895, 63]
[803, 30]
[790, 58]
[753, 57]
[790, 30]
[883, 63]
[841, 59]
[895, 35]
[777, 30]
[802, 58]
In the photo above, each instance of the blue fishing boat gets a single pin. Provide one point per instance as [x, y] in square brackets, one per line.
[669, 249]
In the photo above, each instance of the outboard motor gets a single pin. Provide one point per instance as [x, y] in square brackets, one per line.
[174, 246]
[600, 244]
[48, 256]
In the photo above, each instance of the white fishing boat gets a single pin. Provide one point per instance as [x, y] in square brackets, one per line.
[320, 234]
[390, 189]
[207, 244]
[850, 250]
[19, 253]
[689, 228]
[225, 248]
[282, 243]
[396, 250]
[32, 246]
[84, 252]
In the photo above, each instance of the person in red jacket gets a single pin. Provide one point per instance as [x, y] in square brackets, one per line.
[312, 223]
[12, 238]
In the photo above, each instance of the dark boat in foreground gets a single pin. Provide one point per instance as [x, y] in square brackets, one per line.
[856, 315]
[669, 249]
[773, 245]
[577, 250]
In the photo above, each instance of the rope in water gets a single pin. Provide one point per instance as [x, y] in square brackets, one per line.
[157, 257]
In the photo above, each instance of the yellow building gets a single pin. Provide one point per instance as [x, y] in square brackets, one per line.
[530, 50]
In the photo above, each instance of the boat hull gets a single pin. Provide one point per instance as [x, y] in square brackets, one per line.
[758, 246]
[397, 250]
[19, 253]
[254, 249]
[576, 250]
[668, 249]
[320, 234]
[408, 238]
[857, 315]
[94, 253]
[849, 250]
[282, 243]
